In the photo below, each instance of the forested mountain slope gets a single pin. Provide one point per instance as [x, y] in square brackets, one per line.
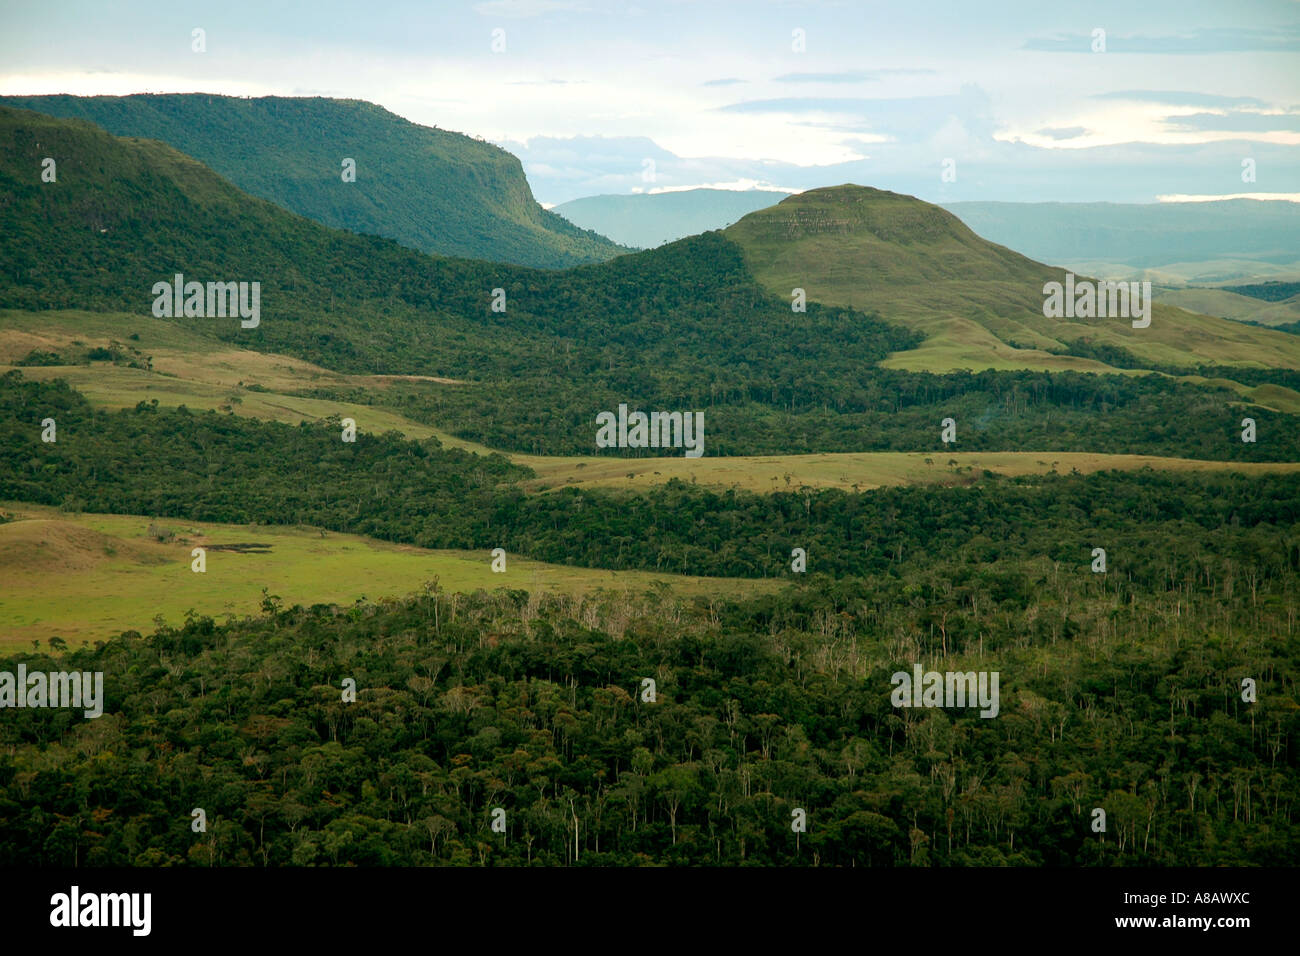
[428, 188]
[683, 327]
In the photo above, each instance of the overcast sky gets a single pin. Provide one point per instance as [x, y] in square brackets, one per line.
[613, 96]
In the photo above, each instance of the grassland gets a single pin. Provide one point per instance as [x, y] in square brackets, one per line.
[203, 373]
[191, 369]
[90, 576]
[852, 470]
[1202, 272]
[1234, 305]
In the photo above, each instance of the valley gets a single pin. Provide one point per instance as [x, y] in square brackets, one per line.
[909, 469]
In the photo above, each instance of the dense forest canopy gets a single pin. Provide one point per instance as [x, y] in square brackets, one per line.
[1115, 694]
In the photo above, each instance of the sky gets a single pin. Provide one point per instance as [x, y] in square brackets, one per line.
[948, 101]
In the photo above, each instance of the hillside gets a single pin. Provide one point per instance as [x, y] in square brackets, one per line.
[125, 214]
[427, 188]
[646, 220]
[685, 326]
[979, 304]
[1234, 305]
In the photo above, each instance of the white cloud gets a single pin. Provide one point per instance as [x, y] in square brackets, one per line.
[735, 185]
[518, 9]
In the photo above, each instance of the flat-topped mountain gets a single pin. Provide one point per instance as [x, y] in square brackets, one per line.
[430, 189]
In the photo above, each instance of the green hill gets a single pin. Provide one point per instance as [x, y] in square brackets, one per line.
[430, 189]
[979, 305]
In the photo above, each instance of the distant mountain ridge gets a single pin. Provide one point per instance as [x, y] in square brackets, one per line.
[430, 189]
[1142, 236]
[1169, 243]
[646, 220]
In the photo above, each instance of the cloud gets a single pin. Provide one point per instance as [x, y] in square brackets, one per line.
[1276, 39]
[807, 104]
[906, 119]
[860, 76]
[1236, 122]
[518, 9]
[1062, 132]
[734, 185]
[1180, 98]
[802, 104]
[853, 76]
[561, 169]
[724, 81]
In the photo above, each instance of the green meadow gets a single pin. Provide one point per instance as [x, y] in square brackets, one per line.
[91, 576]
